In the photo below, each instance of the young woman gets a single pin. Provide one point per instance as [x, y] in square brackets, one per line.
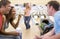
[27, 15]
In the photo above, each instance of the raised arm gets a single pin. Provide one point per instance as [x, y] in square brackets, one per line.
[15, 25]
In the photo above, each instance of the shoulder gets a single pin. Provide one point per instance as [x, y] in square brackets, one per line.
[57, 14]
[4, 18]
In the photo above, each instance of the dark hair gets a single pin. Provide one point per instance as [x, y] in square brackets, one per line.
[4, 3]
[10, 12]
[55, 4]
[0, 4]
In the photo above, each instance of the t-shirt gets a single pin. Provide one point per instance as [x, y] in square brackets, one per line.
[1, 21]
[57, 22]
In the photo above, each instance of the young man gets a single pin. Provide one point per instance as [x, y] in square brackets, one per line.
[53, 7]
[3, 10]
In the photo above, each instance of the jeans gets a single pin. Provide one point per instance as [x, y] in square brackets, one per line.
[10, 37]
[26, 21]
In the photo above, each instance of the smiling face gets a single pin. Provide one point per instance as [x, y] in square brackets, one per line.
[13, 12]
[7, 8]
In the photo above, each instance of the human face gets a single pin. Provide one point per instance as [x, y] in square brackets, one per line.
[27, 5]
[50, 10]
[13, 12]
[7, 8]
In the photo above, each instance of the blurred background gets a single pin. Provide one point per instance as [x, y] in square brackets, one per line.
[38, 13]
[38, 2]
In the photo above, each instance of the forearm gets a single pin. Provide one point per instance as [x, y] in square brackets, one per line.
[57, 36]
[17, 23]
[19, 17]
[4, 33]
[7, 33]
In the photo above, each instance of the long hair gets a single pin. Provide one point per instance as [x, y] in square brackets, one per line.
[10, 12]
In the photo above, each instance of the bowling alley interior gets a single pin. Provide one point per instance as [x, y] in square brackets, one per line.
[30, 19]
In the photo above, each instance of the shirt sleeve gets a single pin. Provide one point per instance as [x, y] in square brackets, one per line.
[57, 19]
[0, 22]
